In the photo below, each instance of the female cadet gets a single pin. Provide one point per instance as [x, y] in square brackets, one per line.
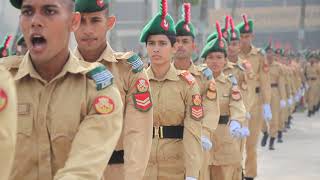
[176, 147]
[226, 153]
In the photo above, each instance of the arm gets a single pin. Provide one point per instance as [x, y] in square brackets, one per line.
[137, 133]
[8, 123]
[265, 85]
[191, 137]
[96, 138]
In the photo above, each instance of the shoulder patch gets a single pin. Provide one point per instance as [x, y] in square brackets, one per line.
[187, 76]
[136, 63]
[233, 79]
[207, 73]
[102, 77]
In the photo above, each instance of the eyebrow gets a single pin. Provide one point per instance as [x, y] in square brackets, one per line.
[28, 6]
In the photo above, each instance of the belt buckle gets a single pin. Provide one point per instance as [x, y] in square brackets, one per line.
[161, 132]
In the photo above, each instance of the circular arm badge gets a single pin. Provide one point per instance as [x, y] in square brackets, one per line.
[104, 105]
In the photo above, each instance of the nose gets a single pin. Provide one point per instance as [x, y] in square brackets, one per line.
[36, 21]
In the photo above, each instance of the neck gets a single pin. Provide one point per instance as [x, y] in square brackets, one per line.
[160, 71]
[182, 63]
[233, 59]
[50, 70]
[216, 74]
[246, 49]
[92, 55]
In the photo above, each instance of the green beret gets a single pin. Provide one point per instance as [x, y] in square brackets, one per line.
[162, 23]
[88, 6]
[16, 3]
[218, 44]
[184, 27]
[268, 46]
[212, 36]
[246, 26]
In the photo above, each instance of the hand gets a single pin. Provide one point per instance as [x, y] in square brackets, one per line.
[190, 178]
[245, 132]
[297, 97]
[206, 143]
[248, 115]
[235, 129]
[283, 104]
[267, 114]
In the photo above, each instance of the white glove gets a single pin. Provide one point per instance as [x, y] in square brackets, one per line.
[306, 85]
[290, 101]
[190, 178]
[267, 114]
[283, 104]
[245, 132]
[248, 115]
[235, 129]
[206, 143]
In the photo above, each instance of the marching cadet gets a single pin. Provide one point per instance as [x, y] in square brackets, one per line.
[4, 47]
[21, 46]
[277, 93]
[184, 47]
[311, 76]
[239, 68]
[178, 108]
[8, 122]
[69, 112]
[283, 102]
[130, 158]
[261, 100]
[226, 155]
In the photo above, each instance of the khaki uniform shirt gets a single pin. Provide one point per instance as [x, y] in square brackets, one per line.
[260, 75]
[136, 138]
[174, 99]
[277, 78]
[8, 122]
[209, 94]
[227, 150]
[67, 129]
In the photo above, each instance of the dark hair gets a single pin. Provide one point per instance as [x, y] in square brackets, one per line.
[172, 38]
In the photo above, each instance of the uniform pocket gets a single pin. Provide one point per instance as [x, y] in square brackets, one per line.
[25, 119]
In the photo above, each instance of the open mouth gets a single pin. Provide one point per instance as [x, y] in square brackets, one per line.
[38, 42]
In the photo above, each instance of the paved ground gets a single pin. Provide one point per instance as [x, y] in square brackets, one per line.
[298, 158]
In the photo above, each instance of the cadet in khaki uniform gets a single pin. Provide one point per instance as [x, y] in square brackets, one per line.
[312, 77]
[69, 112]
[242, 72]
[277, 97]
[184, 48]
[226, 155]
[8, 122]
[283, 104]
[176, 148]
[261, 100]
[130, 158]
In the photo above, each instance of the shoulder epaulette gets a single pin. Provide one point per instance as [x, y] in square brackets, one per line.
[102, 77]
[132, 58]
[11, 62]
[187, 76]
[207, 73]
[238, 65]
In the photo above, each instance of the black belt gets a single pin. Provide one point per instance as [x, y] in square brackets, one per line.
[223, 119]
[117, 157]
[274, 85]
[168, 132]
[313, 78]
[257, 90]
